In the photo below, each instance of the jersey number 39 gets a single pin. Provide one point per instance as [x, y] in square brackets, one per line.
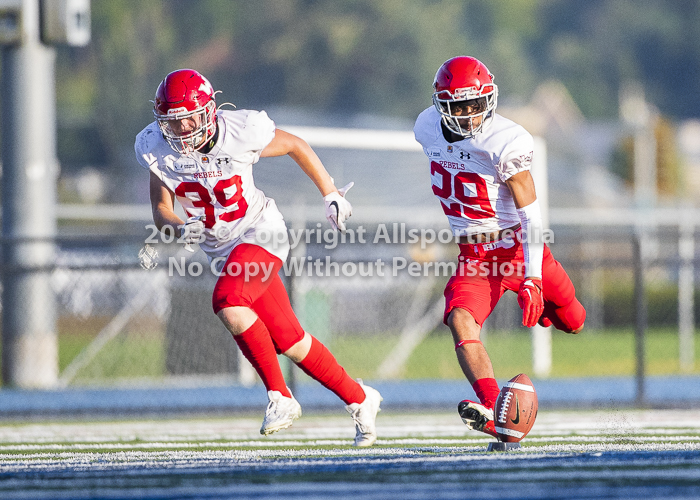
[472, 207]
[205, 200]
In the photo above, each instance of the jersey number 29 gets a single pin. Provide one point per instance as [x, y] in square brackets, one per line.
[472, 207]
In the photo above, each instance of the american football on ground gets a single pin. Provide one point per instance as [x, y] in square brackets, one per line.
[516, 409]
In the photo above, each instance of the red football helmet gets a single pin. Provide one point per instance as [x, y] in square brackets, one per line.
[185, 110]
[465, 95]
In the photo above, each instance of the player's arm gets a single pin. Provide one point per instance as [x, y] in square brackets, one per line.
[338, 209]
[163, 206]
[522, 187]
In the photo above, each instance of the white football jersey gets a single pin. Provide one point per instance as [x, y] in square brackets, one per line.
[468, 176]
[219, 184]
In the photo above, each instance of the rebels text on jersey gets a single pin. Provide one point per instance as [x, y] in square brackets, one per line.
[219, 184]
[468, 176]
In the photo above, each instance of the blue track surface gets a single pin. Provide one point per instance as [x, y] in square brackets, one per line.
[556, 393]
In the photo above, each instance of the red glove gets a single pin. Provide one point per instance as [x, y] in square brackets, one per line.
[530, 301]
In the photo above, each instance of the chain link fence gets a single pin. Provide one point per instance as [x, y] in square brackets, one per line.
[376, 302]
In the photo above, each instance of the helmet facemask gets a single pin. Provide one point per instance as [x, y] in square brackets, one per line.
[187, 131]
[480, 105]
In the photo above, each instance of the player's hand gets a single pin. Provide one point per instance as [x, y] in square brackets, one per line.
[338, 209]
[530, 301]
[192, 231]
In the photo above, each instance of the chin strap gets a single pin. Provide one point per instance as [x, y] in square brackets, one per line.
[209, 145]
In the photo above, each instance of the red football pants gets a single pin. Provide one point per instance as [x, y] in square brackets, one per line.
[267, 297]
[484, 275]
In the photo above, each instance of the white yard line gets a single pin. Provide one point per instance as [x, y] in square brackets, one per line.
[336, 427]
[598, 430]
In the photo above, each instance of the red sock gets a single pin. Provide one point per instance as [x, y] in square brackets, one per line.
[487, 391]
[321, 365]
[256, 345]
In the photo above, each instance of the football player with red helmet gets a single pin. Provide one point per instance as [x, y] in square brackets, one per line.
[185, 110]
[203, 157]
[480, 168]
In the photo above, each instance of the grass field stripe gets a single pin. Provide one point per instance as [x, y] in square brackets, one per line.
[522, 387]
[396, 455]
[462, 443]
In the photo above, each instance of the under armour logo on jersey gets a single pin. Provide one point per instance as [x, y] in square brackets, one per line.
[463, 155]
[223, 159]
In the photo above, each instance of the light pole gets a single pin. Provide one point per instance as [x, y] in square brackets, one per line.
[29, 174]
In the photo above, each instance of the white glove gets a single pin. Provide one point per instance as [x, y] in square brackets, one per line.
[192, 231]
[338, 209]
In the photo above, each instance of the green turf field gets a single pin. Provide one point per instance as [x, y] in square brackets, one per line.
[592, 454]
[593, 353]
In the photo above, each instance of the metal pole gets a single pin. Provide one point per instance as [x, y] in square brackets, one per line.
[291, 377]
[296, 297]
[640, 117]
[593, 283]
[640, 307]
[686, 292]
[30, 168]
[541, 336]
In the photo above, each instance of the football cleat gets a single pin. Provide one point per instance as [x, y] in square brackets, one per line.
[281, 412]
[477, 417]
[364, 415]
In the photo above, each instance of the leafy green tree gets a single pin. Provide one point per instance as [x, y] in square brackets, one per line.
[105, 87]
[366, 57]
[594, 46]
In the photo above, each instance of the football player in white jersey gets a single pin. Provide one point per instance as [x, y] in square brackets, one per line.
[480, 170]
[203, 157]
